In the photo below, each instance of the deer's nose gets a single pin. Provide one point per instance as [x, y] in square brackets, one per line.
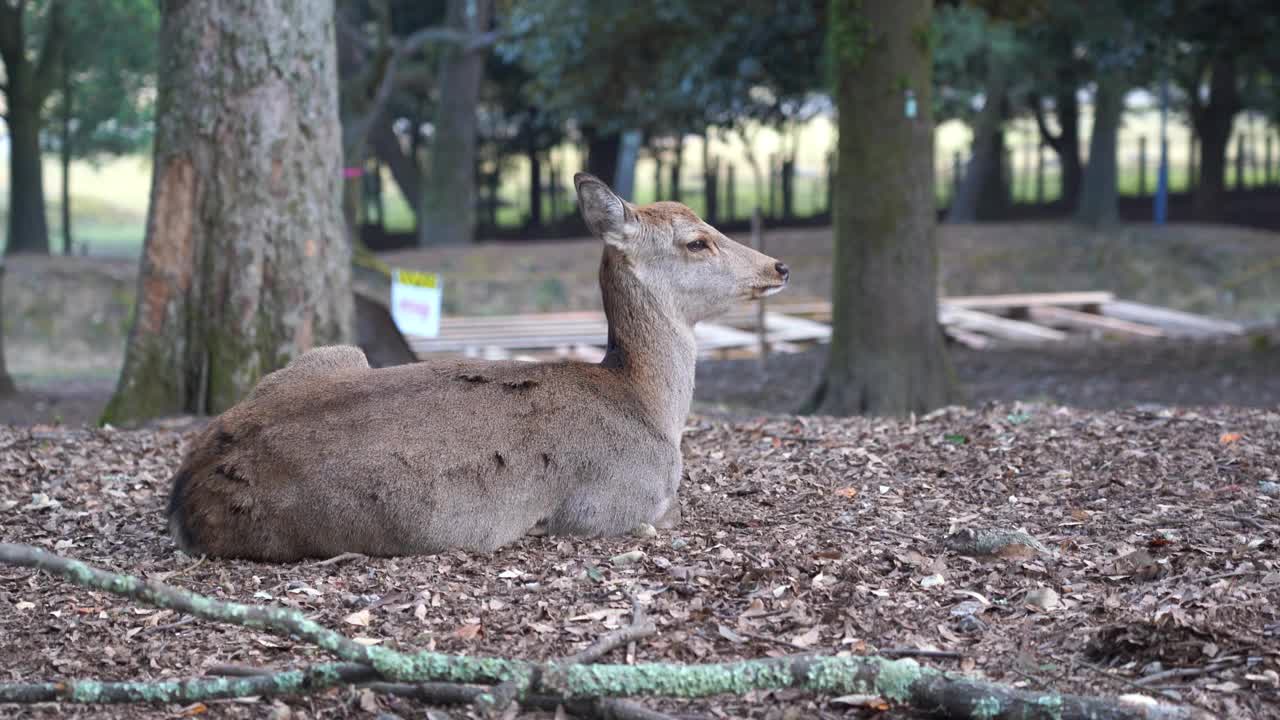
[783, 271]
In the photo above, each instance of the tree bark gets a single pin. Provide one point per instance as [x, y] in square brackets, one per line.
[246, 262]
[1099, 202]
[984, 192]
[449, 204]
[1213, 122]
[887, 355]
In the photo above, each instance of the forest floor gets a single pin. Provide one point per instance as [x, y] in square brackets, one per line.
[1159, 567]
[1146, 470]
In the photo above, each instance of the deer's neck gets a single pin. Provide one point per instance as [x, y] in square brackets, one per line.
[650, 345]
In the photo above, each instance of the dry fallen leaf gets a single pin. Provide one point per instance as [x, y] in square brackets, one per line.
[806, 639]
[870, 702]
[847, 492]
[1228, 438]
[469, 631]
[361, 618]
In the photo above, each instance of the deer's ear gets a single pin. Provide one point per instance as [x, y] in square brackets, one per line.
[607, 215]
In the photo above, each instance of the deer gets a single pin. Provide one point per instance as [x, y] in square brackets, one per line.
[328, 456]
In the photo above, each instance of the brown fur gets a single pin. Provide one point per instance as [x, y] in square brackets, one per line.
[329, 456]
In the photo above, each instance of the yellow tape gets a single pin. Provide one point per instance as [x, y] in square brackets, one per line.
[419, 279]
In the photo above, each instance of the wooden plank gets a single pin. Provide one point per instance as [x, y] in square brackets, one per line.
[1012, 330]
[1063, 317]
[1021, 300]
[1173, 322]
[973, 340]
[784, 328]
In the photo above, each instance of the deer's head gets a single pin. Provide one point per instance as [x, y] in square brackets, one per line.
[681, 260]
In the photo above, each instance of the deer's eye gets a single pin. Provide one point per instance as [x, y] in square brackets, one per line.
[697, 246]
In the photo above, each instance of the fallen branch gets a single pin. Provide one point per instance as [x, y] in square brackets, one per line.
[288, 682]
[903, 682]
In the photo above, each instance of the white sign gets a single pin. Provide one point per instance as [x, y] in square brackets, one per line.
[415, 302]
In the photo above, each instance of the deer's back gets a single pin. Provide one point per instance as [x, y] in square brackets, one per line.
[419, 458]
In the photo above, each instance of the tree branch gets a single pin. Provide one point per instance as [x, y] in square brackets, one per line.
[1054, 141]
[903, 682]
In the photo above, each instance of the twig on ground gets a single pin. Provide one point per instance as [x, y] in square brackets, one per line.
[1180, 673]
[187, 569]
[920, 652]
[902, 682]
[338, 559]
[611, 641]
[167, 626]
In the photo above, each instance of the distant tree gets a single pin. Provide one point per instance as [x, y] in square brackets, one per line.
[246, 262]
[705, 63]
[1216, 47]
[887, 354]
[978, 59]
[103, 106]
[1058, 72]
[390, 55]
[32, 36]
[449, 204]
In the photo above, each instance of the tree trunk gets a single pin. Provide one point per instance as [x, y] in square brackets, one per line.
[887, 355]
[27, 85]
[1068, 112]
[403, 166]
[246, 262]
[535, 183]
[984, 192]
[6, 383]
[449, 204]
[624, 182]
[65, 155]
[788, 187]
[28, 227]
[602, 152]
[1099, 204]
[677, 161]
[1066, 144]
[710, 181]
[1213, 127]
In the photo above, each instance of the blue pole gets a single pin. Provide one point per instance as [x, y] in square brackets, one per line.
[1162, 177]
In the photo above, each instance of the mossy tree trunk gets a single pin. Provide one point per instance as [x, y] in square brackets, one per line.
[29, 78]
[246, 262]
[449, 203]
[887, 354]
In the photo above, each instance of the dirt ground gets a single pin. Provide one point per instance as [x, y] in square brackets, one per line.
[800, 535]
[1100, 375]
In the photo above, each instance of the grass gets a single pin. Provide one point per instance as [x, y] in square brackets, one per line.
[110, 198]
